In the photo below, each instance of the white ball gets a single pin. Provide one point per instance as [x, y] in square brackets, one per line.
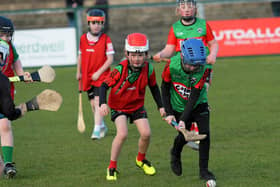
[211, 183]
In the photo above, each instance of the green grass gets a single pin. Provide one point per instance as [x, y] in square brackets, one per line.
[245, 102]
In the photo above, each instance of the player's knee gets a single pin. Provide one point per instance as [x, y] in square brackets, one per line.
[145, 135]
[5, 126]
[121, 136]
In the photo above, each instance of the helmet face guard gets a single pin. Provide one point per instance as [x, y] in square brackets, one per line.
[193, 2]
[193, 55]
[4, 54]
[187, 5]
[136, 43]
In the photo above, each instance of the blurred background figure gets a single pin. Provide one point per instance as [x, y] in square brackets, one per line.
[96, 54]
[275, 5]
[71, 15]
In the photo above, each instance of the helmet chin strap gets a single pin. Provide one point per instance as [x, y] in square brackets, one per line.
[136, 69]
[186, 70]
[95, 34]
[188, 18]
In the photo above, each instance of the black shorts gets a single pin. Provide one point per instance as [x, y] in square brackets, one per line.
[92, 92]
[141, 113]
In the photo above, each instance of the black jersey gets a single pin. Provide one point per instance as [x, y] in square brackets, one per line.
[7, 106]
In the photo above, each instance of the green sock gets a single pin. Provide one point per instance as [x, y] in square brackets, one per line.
[7, 154]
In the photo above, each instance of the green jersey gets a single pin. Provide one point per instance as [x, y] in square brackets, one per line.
[182, 83]
[199, 29]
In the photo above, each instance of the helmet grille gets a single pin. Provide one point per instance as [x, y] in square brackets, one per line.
[190, 51]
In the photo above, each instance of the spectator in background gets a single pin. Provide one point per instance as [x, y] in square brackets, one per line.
[71, 15]
[275, 5]
[104, 7]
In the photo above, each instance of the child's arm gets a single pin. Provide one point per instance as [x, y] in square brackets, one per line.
[104, 108]
[155, 91]
[106, 65]
[20, 72]
[18, 68]
[195, 93]
[79, 73]
[110, 81]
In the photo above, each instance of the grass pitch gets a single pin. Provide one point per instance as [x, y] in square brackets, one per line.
[244, 97]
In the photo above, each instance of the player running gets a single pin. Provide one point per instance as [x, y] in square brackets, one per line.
[184, 95]
[190, 26]
[13, 64]
[128, 82]
[96, 54]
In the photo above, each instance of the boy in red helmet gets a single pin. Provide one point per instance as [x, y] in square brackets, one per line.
[96, 54]
[128, 82]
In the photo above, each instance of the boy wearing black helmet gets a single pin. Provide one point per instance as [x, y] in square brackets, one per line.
[185, 100]
[11, 64]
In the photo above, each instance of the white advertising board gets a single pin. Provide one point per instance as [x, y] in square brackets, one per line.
[38, 47]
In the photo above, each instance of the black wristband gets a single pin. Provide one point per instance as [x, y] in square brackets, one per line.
[32, 104]
[35, 76]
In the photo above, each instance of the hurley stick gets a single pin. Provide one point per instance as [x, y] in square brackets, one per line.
[80, 123]
[45, 74]
[189, 136]
[158, 60]
[47, 100]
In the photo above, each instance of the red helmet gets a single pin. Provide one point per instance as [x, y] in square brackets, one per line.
[137, 42]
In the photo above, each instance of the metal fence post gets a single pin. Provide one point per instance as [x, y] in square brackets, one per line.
[200, 10]
[78, 24]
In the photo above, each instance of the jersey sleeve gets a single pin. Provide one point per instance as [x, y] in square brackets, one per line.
[152, 76]
[199, 85]
[166, 76]
[16, 56]
[114, 76]
[109, 46]
[171, 40]
[209, 33]
[80, 45]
